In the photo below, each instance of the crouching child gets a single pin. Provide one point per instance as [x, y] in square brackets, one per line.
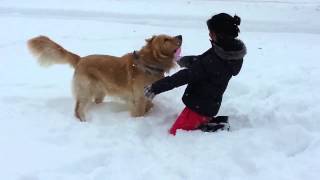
[207, 77]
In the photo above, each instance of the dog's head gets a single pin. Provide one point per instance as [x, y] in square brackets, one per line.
[161, 49]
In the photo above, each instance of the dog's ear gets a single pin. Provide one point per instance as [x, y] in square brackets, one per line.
[150, 39]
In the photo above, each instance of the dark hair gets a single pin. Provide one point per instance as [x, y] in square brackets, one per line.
[224, 25]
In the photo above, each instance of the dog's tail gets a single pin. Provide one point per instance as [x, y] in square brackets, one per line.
[48, 52]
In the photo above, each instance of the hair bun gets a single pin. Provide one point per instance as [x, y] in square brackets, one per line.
[236, 20]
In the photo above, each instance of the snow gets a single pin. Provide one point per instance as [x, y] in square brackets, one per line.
[272, 104]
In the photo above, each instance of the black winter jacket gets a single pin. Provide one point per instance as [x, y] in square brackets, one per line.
[207, 76]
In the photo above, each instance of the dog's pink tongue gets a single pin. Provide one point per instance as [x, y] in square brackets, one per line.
[177, 54]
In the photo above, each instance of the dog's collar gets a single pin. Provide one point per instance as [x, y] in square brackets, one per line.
[146, 68]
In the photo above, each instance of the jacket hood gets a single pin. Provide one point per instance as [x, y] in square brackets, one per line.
[232, 52]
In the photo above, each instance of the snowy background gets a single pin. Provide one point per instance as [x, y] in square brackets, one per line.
[273, 104]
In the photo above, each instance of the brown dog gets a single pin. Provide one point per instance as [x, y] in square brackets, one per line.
[96, 76]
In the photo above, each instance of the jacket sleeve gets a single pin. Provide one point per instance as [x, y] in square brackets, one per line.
[180, 78]
[187, 61]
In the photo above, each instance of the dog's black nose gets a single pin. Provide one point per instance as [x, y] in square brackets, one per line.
[179, 37]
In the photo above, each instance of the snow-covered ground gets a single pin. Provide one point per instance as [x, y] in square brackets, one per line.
[273, 104]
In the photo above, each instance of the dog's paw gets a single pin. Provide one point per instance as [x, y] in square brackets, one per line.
[79, 117]
[98, 101]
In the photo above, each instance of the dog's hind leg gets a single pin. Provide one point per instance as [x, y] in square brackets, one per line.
[80, 109]
[99, 96]
[83, 95]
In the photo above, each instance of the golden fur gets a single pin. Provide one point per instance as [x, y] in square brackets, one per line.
[96, 76]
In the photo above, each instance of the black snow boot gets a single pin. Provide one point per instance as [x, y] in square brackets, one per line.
[216, 123]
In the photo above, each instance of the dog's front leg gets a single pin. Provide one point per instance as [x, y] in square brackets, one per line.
[138, 107]
[149, 105]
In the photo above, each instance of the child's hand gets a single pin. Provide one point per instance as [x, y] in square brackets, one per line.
[148, 92]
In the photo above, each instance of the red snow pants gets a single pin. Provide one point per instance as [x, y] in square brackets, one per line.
[188, 120]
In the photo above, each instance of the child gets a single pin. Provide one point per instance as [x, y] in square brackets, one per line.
[207, 76]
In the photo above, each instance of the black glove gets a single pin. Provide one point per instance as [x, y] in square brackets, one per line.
[148, 92]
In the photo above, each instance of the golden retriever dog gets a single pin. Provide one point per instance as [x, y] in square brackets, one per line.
[97, 76]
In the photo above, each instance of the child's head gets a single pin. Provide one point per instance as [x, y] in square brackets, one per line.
[223, 26]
